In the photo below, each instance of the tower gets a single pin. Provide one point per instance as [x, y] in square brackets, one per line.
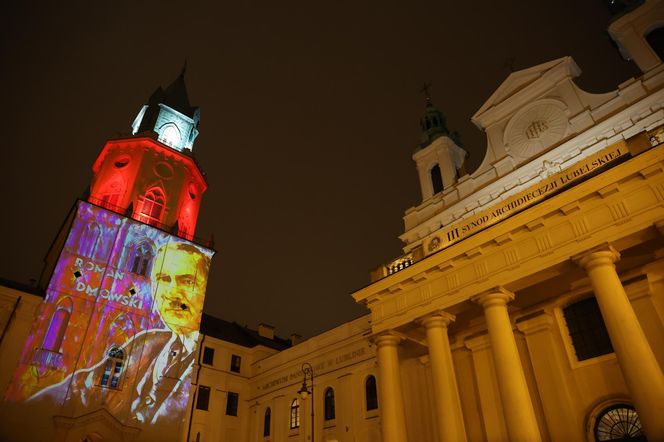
[439, 160]
[111, 351]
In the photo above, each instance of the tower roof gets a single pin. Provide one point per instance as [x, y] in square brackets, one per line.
[170, 116]
[175, 96]
[433, 122]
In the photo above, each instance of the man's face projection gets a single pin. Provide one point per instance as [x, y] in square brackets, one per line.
[179, 275]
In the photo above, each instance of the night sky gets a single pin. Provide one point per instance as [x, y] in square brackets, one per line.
[309, 118]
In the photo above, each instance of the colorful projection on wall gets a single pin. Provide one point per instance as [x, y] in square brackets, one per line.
[119, 323]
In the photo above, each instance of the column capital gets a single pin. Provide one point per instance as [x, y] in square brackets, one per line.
[604, 254]
[387, 339]
[492, 297]
[437, 319]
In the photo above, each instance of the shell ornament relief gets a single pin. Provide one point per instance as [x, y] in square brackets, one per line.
[535, 129]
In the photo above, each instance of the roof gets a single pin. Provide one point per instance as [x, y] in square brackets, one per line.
[175, 96]
[240, 335]
[519, 80]
[22, 287]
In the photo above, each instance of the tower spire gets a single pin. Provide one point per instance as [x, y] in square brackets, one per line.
[433, 122]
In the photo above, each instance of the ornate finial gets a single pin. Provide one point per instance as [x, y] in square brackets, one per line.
[425, 91]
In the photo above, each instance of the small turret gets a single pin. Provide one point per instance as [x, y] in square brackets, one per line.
[169, 115]
[439, 160]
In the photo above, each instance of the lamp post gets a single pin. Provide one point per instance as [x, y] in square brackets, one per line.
[304, 391]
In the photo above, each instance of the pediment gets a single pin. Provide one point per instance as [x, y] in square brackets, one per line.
[520, 80]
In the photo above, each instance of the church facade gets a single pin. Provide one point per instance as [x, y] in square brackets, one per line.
[528, 304]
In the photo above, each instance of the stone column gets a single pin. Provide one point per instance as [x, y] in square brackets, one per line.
[446, 395]
[642, 374]
[518, 408]
[393, 418]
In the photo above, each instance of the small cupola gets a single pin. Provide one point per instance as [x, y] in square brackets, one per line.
[433, 122]
[439, 159]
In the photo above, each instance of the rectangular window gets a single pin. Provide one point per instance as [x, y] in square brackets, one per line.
[235, 363]
[587, 330]
[208, 355]
[203, 398]
[231, 403]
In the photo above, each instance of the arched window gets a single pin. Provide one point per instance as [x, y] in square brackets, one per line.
[370, 392]
[294, 414]
[329, 404]
[436, 179]
[113, 368]
[90, 241]
[266, 423]
[141, 259]
[618, 422]
[587, 330]
[170, 134]
[57, 327]
[152, 207]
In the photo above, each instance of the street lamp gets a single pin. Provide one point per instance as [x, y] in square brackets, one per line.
[304, 391]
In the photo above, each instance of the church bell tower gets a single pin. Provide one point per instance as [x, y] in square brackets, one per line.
[112, 348]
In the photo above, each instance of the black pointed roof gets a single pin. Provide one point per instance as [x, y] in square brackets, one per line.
[175, 96]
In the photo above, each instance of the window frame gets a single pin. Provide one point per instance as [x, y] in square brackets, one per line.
[232, 403]
[236, 368]
[208, 351]
[329, 406]
[568, 345]
[366, 394]
[203, 401]
[294, 415]
[113, 368]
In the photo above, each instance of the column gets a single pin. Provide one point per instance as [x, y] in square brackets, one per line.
[642, 374]
[446, 394]
[393, 419]
[519, 413]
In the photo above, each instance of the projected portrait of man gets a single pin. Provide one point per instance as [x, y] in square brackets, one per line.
[146, 379]
[179, 275]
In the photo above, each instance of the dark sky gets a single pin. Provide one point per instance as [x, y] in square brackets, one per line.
[309, 117]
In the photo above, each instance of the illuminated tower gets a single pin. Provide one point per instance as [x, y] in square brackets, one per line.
[439, 160]
[111, 351]
[153, 174]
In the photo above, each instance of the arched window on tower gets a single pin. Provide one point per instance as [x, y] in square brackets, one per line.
[170, 134]
[655, 39]
[266, 422]
[371, 395]
[436, 179]
[294, 414]
[113, 368]
[141, 259]
[330, 412]
[152, 207]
